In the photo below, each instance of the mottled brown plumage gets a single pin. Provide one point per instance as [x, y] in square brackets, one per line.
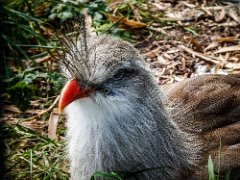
[208, 108]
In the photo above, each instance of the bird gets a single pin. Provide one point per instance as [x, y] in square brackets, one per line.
[119, 119]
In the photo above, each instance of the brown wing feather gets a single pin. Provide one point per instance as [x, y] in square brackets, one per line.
[208, 107]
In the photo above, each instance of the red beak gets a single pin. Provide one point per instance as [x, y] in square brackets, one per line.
[71, 92]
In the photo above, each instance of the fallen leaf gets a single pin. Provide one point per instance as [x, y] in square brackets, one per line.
[52, 124]
[234, 66]
[113, 3]
[12, 108]
[226, 39]
[126, 23]
[233, 13]
[220, 16]
[211, 46]
[228, 49]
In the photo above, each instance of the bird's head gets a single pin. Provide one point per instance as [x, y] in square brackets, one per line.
[102, 66]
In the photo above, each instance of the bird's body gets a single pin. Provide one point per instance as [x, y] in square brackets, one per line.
[122, 125]
[208, 107]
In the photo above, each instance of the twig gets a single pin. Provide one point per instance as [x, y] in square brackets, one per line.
[152, 51]
[157, 30]
[43, 99]
[194, 53]
[44, 59]
[135, 11]
[45, 111]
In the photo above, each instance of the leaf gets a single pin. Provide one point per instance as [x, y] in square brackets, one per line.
[111, 175]
[220, 16]
[234, 66]
[219, 160]
[11, 108]
[52, 124]
[192, 30]
[226, 39]
[126, 23]
[228, 49]
[227, 177]
[20, 94]
[210, 168]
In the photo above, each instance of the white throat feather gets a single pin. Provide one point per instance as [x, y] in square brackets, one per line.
[118, 134]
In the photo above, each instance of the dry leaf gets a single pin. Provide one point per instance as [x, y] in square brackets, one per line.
[44, 59]
[234, 66]
[34, 111]
[233, 13]
[211, 46]
[126, 23]
[228, 49]
[194, 42]
[113, 3]
[34, 124]
[52, 124]
[12, 108]
[220, 16]
[226, 39]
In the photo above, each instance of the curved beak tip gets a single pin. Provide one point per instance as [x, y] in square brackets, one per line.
[71, 92]
[60, 110]
[61, 105]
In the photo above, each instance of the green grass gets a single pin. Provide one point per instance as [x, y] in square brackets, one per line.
[211, 172]
[106, 175]
[211, 169]
[32, 155]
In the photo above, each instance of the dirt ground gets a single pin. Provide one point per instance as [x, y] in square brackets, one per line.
[205, 38]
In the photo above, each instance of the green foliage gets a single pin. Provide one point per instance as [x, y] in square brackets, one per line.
[102, 24]
[21, 94]
[219, 160]
[22, 28]
[193, 30]
[106, 175]
[227, 176]
[210, 168]
[212, 175]
[63, 12]
[33, 156]
[97, 10]
[31, 82]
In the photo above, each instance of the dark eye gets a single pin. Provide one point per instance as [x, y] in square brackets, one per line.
[104, 90]
[121, 73]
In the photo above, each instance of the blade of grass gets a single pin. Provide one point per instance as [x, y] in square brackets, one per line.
[111, 175]
[210, 168]
[219, 159]
[31, 166]
[23, 15]
[227, 176]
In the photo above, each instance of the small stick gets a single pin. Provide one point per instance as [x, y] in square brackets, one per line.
[194, 53]
[45, 111]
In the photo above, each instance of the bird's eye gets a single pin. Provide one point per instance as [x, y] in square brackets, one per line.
[121, 73]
